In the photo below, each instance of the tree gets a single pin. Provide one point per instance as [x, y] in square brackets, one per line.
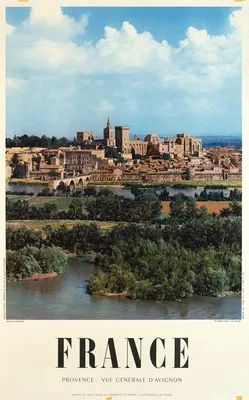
[48, 211]
[147, 207]
[14, 160]
[96, 284]
[90, 191]
[177, 207]
[47, 191]
[86, 238]
[19, 266]
[52, 259]
[18, 172]
[111, 152]
[75, 208]
[59, 237]
[53, 174]
[62, 188]
[19, 238]
[234, 209]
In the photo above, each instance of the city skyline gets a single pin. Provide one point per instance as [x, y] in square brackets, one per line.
[162, 70]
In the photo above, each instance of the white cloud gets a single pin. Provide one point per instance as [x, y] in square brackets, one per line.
[197, 37]
[200, 107]
[152, 77]
[105, 106]
[235, 19]
[50, 23]
[9, 29]
[53, 18]
[44, 42]
[126, 49]
[15, 83]
[51, 15]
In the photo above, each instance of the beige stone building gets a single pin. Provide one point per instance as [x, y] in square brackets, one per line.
[122, 136]
[99, 153]
[80, 161]
[107, 175]
[152, 138]
[156, 145]
[105, 163]
[46, 172]
[28, 156]
[179, 146]
[8, 172]
[138, 146]
[186, 145]
[84, 136]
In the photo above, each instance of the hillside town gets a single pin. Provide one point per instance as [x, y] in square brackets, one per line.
[117, 157]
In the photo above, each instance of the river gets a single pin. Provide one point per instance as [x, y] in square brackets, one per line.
[119, 190]
[65, 297]
[20, 187]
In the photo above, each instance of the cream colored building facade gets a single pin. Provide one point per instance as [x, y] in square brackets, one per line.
[84, 136]
[122, 137]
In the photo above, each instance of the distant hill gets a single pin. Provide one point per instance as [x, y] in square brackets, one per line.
[222, 141]
[213, 140]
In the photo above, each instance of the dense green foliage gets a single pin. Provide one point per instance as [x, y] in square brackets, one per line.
[145, 207]
[30, 260]
[36, 141]
[202, 256]
[234, 209]
[166, 271]
[21, 209]
[22, 193]
[79, 239]
[19, 238]
[18, 172]
[175, 185]
[205, 195]
[106, 206]
[171, 262]
[190, 252]
[234, 195]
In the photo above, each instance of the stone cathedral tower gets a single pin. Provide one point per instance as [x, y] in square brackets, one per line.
[109, 139]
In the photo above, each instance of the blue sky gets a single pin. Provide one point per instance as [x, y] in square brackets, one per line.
[162, 70]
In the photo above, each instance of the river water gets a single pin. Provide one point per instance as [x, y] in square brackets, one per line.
[65, 297]
[19, 187]
[120, 191]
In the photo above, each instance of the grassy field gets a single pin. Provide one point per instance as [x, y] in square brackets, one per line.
[40, 224]
[212, 206]
[230, 184]
[164, 215]
[15, 197]
[121, 184]
[16, 181]
[62, 202]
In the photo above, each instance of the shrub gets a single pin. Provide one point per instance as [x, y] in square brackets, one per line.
[52, 259]
[19, 266]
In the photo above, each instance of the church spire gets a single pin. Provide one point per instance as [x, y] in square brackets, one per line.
[108, 122]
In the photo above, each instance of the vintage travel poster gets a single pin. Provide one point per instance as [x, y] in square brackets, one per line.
[124, 142]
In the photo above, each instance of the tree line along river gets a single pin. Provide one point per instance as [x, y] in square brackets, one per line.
[119, 190]
[65, 297]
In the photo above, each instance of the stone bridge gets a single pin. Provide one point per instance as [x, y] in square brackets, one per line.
[76, 182]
